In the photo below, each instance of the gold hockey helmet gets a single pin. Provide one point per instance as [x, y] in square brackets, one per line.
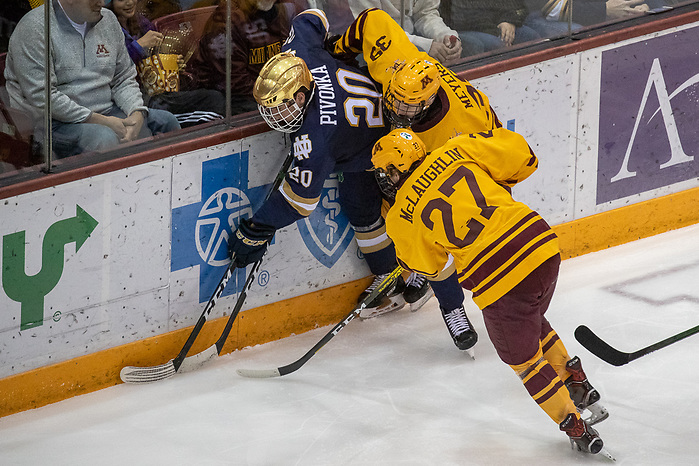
[394, 157]
[280, 79]
[411, 90]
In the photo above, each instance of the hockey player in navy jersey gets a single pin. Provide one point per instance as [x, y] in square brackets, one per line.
[334, 115]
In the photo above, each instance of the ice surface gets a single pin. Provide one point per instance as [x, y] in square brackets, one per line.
[395, 390]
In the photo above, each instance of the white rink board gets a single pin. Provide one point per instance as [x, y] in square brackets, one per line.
[556, 106]
[111, 290]
[145, 270]
[590, 98]
[541, 101]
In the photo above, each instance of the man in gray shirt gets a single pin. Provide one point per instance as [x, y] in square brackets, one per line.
[96, 102]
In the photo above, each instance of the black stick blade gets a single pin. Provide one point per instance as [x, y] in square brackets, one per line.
[600, 348]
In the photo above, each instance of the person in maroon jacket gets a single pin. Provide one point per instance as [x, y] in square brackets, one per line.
[259, 27]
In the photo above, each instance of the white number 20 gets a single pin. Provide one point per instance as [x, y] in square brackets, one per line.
[360, 85]
[303, 177]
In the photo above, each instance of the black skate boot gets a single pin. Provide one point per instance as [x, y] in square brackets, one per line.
[583, 394]
[582, 437]
[417, 291]
[460, 328]
[390, 301]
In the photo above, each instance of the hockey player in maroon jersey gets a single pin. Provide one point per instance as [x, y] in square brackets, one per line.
[455, 222]
[420, 93]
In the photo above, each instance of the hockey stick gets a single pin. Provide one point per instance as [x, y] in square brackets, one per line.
[133, 374]
[606, 353]
[380, 290]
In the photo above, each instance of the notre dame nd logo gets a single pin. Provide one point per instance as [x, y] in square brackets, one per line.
[326, 232]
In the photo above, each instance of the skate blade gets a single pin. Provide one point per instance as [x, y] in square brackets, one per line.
[604, 452]
[393, 304]
[598, 413]
[421, 302]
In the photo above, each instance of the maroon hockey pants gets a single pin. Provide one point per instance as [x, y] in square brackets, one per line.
[516, 322]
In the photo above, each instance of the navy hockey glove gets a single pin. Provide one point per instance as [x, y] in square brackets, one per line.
[249, 242]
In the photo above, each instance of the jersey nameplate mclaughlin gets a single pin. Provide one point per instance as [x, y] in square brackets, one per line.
[425, 180]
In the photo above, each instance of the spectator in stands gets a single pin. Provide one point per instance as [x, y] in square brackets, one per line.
[144, 43]
[551, 18]
[95, 106]
[487, 25]
[259, 27]
[423, 24]
[547, 21]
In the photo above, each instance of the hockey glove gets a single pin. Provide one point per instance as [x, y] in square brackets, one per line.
[249, 242]
[348, 58]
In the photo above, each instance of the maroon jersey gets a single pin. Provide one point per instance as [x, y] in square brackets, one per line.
[256, 36]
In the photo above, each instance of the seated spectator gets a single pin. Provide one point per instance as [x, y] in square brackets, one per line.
[95, 106]
[258, 29]
[423, 24]
[487, 25]
[549, 20]
[584, 12]
[146, 47]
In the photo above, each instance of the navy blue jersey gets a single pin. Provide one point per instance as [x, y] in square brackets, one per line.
[342, 122]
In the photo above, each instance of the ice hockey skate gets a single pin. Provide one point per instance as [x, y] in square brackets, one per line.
[583, 437]
[390, 301]
[417, 291]
[460, 329]
[583, 394]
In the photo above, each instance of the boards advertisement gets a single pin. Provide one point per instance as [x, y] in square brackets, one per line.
[135, 253]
